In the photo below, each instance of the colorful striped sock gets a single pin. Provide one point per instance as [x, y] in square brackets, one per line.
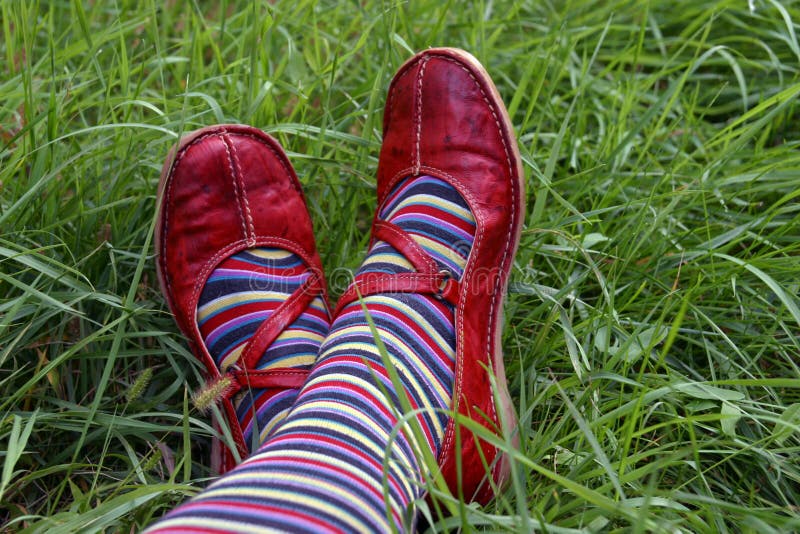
[241, 293]
[324, 469]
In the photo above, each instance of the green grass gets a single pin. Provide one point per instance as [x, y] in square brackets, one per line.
[653, 329]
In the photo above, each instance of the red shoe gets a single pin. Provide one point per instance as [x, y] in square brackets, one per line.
[444, 118]
[225, 189]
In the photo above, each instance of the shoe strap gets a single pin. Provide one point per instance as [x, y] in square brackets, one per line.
[249, 379]
[428, 278]
[243, 374]
[280, 319]
[281, 378]
[402, 242]
[441, 285]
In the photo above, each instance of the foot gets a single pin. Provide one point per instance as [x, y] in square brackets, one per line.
[239, 269]
[444, 118]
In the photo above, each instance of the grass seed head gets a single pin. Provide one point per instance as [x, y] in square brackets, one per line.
[140, 384]
[211, 393]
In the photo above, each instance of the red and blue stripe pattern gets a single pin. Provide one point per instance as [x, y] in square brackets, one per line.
[324, 468]
[241, 293]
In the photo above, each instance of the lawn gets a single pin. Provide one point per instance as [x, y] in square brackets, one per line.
[652, 334]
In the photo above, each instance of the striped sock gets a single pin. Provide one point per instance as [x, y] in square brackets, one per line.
[241, 293]
[324, 469]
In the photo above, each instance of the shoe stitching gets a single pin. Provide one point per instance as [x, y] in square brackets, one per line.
[414, 275]
[418, 114]
[239, 194]
[240, 176]
[278, 372]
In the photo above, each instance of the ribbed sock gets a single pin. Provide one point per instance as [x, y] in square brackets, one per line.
[325, 467]
[241, 293]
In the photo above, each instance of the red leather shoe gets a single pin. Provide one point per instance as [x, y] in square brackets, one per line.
[225, 189]
[444, 118]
